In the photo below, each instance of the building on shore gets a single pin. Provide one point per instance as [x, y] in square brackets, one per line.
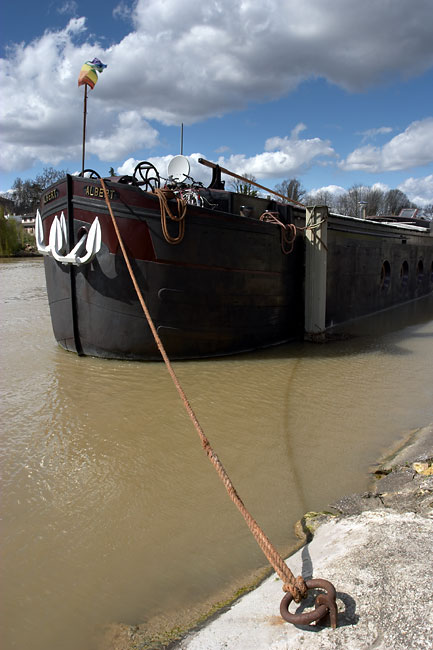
[28, 223]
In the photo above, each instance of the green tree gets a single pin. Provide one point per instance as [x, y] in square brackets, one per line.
[12, 236]
[26, 195]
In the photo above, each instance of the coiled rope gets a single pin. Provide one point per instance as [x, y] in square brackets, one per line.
[164, 195]
[295, 586]
[288, 231]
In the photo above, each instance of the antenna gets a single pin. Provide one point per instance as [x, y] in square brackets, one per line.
[181, 139]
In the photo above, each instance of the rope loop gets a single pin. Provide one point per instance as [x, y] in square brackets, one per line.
[297, 589]
[325, 604]
[164, 195]
[288, 230]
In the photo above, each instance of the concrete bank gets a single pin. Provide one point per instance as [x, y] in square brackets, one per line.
[377, 550]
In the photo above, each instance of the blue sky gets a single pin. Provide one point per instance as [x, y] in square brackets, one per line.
[332, 92]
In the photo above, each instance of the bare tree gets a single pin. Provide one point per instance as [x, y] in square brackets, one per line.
[378, 202]
[348, 203]
[292, 189]
[375, 201]
[243, 187]
[428, 210]
[49, 176]
[322, 198]
[395, 201]
[27, 193]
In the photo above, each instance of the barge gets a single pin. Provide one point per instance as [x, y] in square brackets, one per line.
[220, 272]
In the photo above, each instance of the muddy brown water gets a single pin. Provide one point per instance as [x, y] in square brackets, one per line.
[111, 513]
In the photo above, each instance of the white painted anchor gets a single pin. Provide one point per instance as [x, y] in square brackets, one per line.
[89, 243]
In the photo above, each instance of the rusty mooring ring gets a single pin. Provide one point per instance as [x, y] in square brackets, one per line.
[324, 603]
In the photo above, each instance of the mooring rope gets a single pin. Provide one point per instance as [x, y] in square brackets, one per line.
[163, 196]
[288, 231]
[296, 586]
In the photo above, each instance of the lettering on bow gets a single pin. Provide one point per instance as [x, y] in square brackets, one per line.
[50, 196]
[98, 192]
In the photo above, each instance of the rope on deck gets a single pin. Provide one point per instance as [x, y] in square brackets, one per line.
[164, 195]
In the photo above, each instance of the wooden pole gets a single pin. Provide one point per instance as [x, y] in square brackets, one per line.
[212, 165]
[84, 127]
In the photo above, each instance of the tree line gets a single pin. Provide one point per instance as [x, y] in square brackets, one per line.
[26, 199]
[27, 195]
[377, 201]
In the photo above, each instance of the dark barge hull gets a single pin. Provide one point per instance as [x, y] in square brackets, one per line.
[373, 266]
[227, 287]
[224, 289]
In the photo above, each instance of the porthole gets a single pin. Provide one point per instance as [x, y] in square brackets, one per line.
[404, 274]
[420, 272]
[385, 276]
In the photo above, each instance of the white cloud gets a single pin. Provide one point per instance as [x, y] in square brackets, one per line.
[383, 187]
[122, 11]
[130, 132]
[187, 61]
[223, 149]
[206, 59]
[333, 190]
[69, 7]
[411, 148]
[419, 190]
[371, 134]
[287, 157]
[282, 156]
[199, 172]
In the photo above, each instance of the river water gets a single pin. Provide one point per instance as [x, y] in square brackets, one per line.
[111, 512]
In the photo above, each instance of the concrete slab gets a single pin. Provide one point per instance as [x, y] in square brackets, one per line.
[378, 553]
[377, 550]
[381, 565]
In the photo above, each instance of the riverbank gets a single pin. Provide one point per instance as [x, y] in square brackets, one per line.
[376, 550]
[28, 252]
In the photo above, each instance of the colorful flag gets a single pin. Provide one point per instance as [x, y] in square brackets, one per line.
[88, 73]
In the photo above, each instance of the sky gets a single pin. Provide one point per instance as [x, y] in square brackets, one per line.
[335, 93]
